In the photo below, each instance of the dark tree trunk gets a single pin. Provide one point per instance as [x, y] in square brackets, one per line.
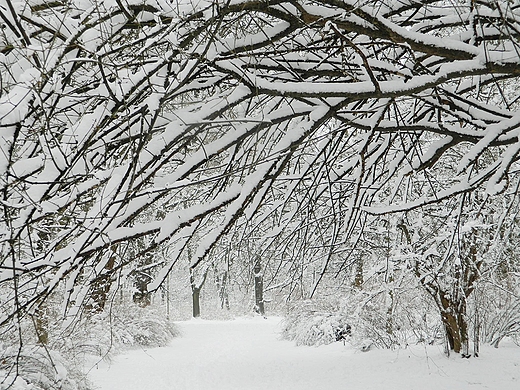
[453, 314]
[452, 300]
[195, 291]
[259, 289]
[142, 297]
[196, 302]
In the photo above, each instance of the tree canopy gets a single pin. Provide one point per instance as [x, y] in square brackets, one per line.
[285, 122]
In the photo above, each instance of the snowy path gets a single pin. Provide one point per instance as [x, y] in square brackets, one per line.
[247, 354]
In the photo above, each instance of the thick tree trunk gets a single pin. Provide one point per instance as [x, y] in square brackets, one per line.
[452, 300]
[453, 314]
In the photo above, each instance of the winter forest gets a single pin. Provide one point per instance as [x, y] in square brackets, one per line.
[348, 165]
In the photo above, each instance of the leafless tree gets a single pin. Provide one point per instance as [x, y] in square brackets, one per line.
[230, 112]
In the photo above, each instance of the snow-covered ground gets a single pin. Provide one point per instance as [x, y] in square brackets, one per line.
[248, 354]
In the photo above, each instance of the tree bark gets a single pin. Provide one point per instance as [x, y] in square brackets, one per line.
[358, 277]
[222, 290]
[453, 315]
[259, 289]
[101, 287]
[195, 294]
[41, 325]
[195, 291]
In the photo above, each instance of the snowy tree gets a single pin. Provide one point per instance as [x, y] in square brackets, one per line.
[295, 119]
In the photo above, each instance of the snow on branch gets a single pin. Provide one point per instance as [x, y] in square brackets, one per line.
[123, 124]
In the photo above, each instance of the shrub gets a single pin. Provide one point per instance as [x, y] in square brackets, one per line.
[60, 363]
[314, 323]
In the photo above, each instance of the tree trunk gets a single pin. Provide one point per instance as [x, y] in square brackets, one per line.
[142, 297]
[195, 291]
[358, 278]
[259, 289]
[142, 277]
[41, 324]
[222, 291]
[196, 302]
[390, 315]
[453, 314]
[452, 300]
[101, 287]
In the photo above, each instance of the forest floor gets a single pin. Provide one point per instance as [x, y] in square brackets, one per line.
[248, 354]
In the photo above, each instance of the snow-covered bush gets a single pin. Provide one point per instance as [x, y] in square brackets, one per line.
[499, 319]
[505, 324]
[39, 368]
[60, 364]
[121, 327]
[312, 322]
[134, 326]
[368, 319]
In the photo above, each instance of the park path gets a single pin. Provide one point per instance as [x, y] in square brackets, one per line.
[247, 354]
